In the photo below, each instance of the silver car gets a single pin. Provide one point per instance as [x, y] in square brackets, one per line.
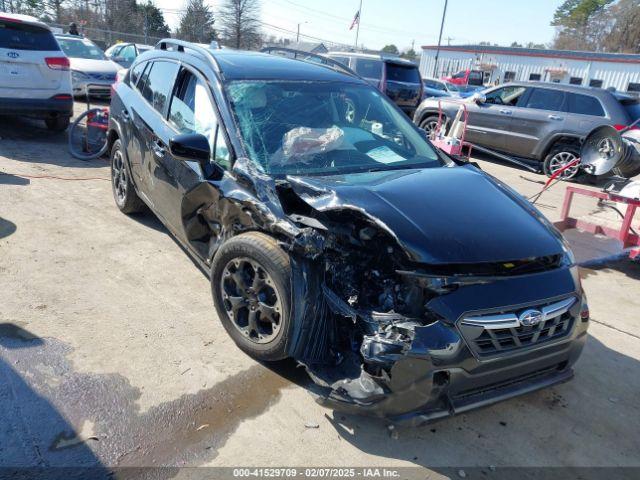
[89, 66]
[533, 120]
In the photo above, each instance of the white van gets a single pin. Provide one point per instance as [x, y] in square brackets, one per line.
[35, 79]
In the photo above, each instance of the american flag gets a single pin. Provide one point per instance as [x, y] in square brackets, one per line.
[356, 19]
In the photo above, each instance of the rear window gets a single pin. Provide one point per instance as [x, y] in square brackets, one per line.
[403, 73]
[21, 36]
[369, 68]
[585, 105]
[632, 107]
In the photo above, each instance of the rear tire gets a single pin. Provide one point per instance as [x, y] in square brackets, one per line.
[57, 124]
[124, 193]
[559, 156]
[255, 310]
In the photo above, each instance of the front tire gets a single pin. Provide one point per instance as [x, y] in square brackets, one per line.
[124, 192]
[251, 287]
[430, 125]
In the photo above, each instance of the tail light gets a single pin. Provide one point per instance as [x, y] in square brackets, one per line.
[623, 127]
[58, 63]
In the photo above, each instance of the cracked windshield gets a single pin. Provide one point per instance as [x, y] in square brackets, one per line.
[294, 128]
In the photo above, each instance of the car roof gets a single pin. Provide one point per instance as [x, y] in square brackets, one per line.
[71, 37]
[564, 87]
[390, 58]
[17, 17]
[244, 65]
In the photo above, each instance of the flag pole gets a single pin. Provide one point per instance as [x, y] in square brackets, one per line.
[359, 20]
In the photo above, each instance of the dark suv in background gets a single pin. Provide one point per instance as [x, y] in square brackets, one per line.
[539, 121]
[397, 77]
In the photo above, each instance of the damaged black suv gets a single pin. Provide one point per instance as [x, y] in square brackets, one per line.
[410, 286]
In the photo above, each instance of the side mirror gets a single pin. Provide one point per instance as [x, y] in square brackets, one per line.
[478, 98]
[193, 147]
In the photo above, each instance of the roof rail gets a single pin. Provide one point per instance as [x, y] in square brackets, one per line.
[181, 45]
[314, 58]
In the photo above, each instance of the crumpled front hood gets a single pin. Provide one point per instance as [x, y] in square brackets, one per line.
[440, 215]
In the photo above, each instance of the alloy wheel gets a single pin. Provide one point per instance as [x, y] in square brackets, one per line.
[560, 160]
[119, 174]
[251, 300]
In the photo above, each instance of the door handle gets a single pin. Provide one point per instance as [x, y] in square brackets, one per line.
[555, 117]
[506, 112]
[158, 148]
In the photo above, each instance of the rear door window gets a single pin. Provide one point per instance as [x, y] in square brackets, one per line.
[369, 68]
[21, 36]
[402, 73]
[545, 99]
[136, 71]
[585, 105]
[342, 60]
[159, 84]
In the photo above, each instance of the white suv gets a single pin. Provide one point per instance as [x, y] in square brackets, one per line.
[34, 72]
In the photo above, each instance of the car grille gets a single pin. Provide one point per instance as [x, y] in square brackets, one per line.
[105, 77]
[493, 334]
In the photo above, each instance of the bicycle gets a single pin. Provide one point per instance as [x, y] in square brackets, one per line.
[88, 132]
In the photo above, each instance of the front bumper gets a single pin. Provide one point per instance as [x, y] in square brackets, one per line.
[48, 107]
[441, 375]
[94, 88]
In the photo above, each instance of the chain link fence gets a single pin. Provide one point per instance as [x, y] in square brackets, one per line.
[106, 38]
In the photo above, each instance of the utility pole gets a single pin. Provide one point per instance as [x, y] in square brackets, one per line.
[359, 21]
[298, 34]
[444, 14]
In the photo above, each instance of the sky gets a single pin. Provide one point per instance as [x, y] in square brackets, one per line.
[402, 22]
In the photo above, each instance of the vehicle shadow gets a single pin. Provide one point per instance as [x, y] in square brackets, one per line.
[28, 140]
[37, 442]
[10, 179]
[536, 430]
[6, 227]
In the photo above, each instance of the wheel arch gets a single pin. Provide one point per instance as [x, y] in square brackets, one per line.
[559, 139]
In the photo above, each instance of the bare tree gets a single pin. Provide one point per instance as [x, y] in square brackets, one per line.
[240, 24]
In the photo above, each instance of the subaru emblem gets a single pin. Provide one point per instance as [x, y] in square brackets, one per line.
[530, 318]
[13, 54]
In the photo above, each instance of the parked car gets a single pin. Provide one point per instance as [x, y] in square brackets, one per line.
[434, 88]
[538, 121]
[125, 53]
[89, 66]
[333, 233]
[34, 72]
[397, 77]
[467, 77]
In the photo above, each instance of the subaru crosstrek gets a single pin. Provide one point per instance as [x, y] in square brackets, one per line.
[334, 233]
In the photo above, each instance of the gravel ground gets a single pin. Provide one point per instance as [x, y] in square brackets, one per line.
[111, 353]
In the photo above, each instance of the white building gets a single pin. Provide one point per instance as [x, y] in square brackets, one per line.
[503, 64]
